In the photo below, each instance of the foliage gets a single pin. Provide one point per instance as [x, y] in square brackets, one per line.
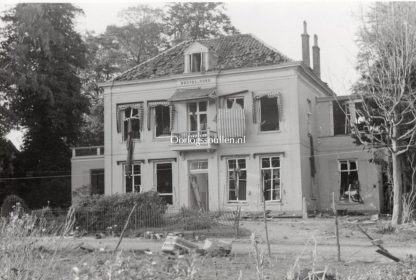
[127, 266]
[22, 255]
[12, 203]
[192, 219]
[405, 270]
[97, 212]
[40, 57]
[387, 117]
[197, 20]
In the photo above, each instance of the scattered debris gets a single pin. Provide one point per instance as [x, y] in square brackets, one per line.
[174, 244]
[378, 243]
[217, 248]
[374, 217]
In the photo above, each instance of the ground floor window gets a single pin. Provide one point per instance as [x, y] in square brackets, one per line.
[97, 181]
[134, 180]
[349, 186]
[164, 181]
[270, 170]
[237, 180]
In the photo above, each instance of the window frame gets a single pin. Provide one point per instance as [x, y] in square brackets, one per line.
[198, 113]
[155, 124]
[172, 194]
[348, 171]
[272, 173]
[201, 63]
[259, 114]
[228, 179]
[234, 98]
[133, 177]
[137, 117]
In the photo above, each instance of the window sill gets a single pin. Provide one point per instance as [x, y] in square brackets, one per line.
[273, 201]
[161, 138]
[269, 131]
[245, 202]
[349, 203]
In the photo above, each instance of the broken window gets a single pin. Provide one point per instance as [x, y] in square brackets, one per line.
[235, 101]
[164, 181]
[134, 181]
[341, 118]
[269, 113]
[237, 179]
[270, 170]
[132, 115]
[198, 116]
[196, 62]
[350, 185]
[162, 120]
[97, 181]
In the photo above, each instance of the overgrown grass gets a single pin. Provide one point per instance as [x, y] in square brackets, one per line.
[22, 255]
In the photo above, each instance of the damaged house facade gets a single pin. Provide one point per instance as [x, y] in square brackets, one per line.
[216, 123]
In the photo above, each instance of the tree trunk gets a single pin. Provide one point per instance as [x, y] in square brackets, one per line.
[397, 190]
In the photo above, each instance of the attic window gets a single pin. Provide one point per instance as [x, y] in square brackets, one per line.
[196, 62]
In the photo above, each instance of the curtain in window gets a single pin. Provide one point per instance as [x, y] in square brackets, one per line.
[271, 93]
[122, 107]
[153, 104]
[232, 122]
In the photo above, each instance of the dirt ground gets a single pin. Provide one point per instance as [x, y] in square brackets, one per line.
[294, 243]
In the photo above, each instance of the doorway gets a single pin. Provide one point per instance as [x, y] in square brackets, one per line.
[198, 184]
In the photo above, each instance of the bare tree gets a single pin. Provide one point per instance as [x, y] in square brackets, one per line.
[387, 88]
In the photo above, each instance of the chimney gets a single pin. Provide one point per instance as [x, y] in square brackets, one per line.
[316, 57]
[305, 46]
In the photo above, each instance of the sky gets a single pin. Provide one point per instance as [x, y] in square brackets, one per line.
[278, 24]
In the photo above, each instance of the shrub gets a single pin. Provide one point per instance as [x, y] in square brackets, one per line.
[192, 219]
[10, 203]
[98, 212]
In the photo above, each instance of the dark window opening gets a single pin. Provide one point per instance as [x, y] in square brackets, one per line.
[350, 185]
[269, 114]
[162, 116]
[164, 181]
[238, 101]
[97, 181]
[341, 118]
[195, 61]
[133, 116]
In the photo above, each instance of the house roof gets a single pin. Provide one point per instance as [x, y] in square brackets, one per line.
[235, 51]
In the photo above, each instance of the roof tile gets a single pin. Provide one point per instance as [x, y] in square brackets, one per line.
[236, 51]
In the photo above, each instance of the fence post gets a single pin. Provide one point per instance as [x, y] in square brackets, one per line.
[336, 226]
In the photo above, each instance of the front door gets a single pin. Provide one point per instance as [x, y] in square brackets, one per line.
[198, 184]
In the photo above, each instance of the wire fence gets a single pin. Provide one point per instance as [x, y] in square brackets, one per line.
[112, 221]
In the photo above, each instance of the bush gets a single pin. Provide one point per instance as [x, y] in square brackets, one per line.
[10, 203]
[192, 219]
[100, 213]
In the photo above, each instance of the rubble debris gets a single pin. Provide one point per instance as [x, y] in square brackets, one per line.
[378, 243]
[217, 248]
[175, 244]
[374, 217]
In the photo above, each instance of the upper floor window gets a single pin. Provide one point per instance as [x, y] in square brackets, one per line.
[235, 101]
[162, 121]
[196, 62]
[131, 123]
[198, 118]
[269, 113]
[345, 115]
[129, 117]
